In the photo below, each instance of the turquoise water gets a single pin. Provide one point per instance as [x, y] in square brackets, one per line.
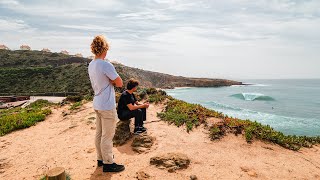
[290, 106]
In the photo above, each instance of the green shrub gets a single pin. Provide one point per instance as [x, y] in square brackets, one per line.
[75, 98]
[19, 118]
[75, 105]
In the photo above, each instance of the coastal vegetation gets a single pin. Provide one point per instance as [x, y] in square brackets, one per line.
[19, 118]
[181, 113]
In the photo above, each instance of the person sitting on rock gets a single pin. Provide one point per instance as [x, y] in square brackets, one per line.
[129, 107]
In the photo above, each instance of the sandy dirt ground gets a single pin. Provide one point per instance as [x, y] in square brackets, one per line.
[68, 141]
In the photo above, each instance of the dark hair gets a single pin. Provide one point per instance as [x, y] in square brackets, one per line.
[132, 83]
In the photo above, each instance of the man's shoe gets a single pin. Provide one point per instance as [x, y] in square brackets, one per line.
[137, 131]
[100, 163]
[113, 167]
[143, 129]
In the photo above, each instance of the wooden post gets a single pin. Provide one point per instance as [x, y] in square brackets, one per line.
[57, 173]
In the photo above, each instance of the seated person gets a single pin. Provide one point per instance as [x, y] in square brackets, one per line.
[129, 107]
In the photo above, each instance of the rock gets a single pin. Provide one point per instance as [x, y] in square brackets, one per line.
[64, 113]
[249, 171]
[122, 134]
[193, 177]
[91, 150]
[245, 169]
[142, 143]
[141, 175]
[252, 174]
[171, 161]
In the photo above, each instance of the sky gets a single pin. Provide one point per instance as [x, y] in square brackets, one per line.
[233, 39]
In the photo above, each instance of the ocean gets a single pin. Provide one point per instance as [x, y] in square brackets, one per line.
[290, 106]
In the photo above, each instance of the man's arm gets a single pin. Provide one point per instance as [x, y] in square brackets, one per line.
[137, 103]
[117, 82]
[112, 74]
[134, 107]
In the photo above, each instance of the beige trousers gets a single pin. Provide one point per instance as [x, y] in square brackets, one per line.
[106, 125]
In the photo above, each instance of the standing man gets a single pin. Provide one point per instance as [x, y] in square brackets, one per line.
[104, 77]
[129, 107]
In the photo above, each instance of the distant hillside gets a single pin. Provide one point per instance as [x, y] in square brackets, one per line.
[37, 71]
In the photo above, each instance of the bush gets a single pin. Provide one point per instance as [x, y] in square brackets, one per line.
[19, 118]
[75, 98]
[75, 106]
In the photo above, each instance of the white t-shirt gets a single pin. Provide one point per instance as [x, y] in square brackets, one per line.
[100, 72]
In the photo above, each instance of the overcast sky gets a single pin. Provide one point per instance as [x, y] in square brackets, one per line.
[235, 39]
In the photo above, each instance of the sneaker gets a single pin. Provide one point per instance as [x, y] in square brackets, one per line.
[143, 129]
[113, 167]
[100, 163]
[137, 131]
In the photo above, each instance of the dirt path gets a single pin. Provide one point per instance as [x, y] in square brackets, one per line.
[68, 142]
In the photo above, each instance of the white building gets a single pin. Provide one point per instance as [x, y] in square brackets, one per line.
[2, 46]
[64, 52]
[45, 50]
[25, 47]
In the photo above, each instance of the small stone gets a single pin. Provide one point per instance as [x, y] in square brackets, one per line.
[93, 128]
[73, 126]
[91, 150]
[193, 177]
[245, 169]
[141, 175]
[252, 174]
[64, 113]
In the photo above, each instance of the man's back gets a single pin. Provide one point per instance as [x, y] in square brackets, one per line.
[100, 73]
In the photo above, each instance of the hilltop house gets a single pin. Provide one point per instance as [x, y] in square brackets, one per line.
[64, 52]
[45, 50]
[2, 46]
[78, 55]
[25, 47]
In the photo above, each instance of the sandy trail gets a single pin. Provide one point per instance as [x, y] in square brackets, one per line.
[69, 142]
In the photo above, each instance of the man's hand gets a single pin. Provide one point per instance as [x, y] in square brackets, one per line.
[112, 82]
[146, 105]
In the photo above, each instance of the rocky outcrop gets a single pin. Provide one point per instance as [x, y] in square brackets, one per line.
[122, 134]
[142, 143]
[171, 161]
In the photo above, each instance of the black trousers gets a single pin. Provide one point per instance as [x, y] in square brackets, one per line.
[139, 116]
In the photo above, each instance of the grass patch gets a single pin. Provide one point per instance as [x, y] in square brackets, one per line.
[182, 113]
[152, 95]
[75, 106]
[192, 115]
[20, 118]
[68, 177]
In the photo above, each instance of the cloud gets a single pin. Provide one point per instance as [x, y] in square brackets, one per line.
[233, 34]
[91, 27]
[9, 3]
[14, 25]
[146, 15]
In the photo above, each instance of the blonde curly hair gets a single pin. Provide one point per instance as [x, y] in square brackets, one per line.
[99, 45]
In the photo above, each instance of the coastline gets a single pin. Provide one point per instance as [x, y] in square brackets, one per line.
[229, 158]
